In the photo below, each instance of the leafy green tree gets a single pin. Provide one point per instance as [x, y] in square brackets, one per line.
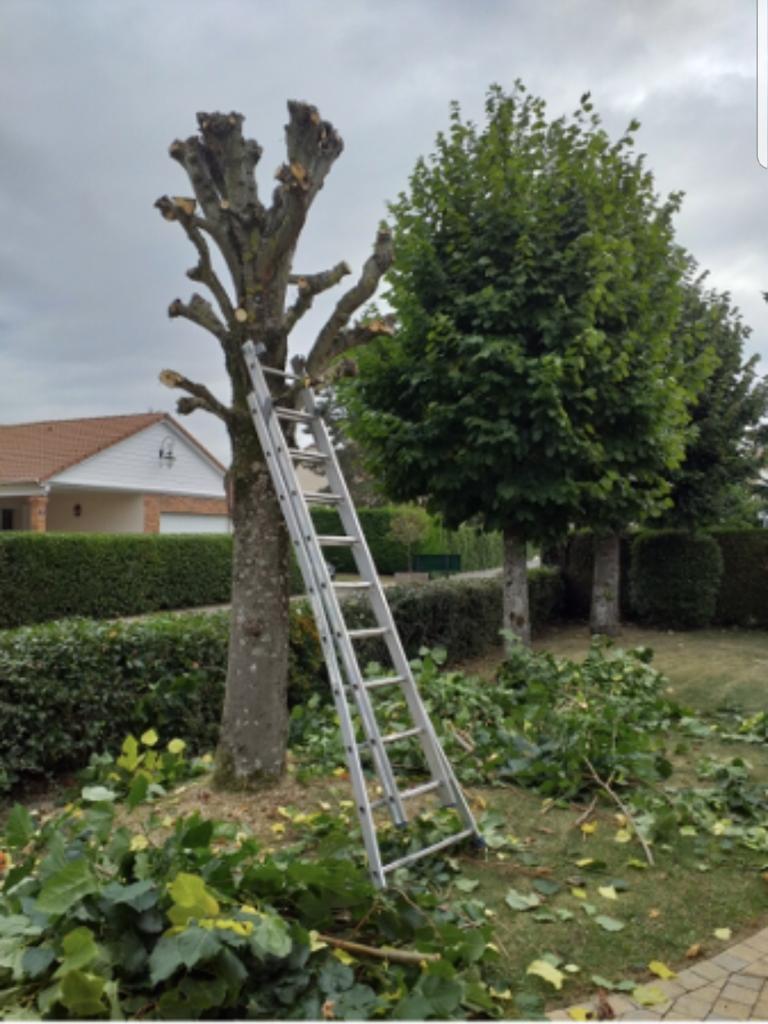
[536, 284]
[410, 525]
[724, 455]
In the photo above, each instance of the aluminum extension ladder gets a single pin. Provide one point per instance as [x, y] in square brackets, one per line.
[348, 685]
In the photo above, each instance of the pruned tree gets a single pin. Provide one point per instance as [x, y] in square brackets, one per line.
[257, 242]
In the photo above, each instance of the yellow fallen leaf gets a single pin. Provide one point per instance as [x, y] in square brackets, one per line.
[315, 942]
[580, 894]
[139, 842]
[324, 805]
[584, 862]
[620, 819]
[722, 933]
[572, 968]
[589, 827]
[545, 970]
[167, 821]
[149, 738]
[278, 828]
[693, 951]
[649, 995]
[176, 746]
[580, 1013]
[340, 773]
[482, 803]
[346, 804]
[285, 813]
[623, 836]
[653, 913]
[607, 892]
[343, 956]
[661, 970]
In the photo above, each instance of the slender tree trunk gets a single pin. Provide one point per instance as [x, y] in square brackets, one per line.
[605, 616]
[515, 603]
[254, 725]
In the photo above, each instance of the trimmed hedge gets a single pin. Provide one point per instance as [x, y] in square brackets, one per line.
[52, 576]
[675, 577]
[743, 596]
[72, 688]
[59, 575]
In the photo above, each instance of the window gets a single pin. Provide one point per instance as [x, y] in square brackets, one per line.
[6, 519]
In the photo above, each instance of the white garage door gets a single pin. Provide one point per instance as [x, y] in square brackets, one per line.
[187, 522]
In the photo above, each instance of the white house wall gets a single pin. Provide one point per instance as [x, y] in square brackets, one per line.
[99, 512]
[134, 465]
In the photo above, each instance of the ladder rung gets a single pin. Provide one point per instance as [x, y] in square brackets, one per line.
[334, 540]
[304, 455]
[371, 684]
[293, 414]
[411, 857]
[280, 373]
[425, 787]
[393, 737]
[353, 585]
[361, 634]
[318, 498]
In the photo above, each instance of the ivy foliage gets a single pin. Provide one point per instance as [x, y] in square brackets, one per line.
[531, 382]
[187, 918]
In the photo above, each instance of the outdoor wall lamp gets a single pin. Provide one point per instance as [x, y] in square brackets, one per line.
[166, 454]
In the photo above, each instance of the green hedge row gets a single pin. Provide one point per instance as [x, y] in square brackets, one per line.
[71, 688]
[55, 576]
[673, 578]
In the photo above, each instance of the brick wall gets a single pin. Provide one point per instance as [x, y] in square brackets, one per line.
[155, 504]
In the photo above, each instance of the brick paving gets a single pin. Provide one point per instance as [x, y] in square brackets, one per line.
[730, 986]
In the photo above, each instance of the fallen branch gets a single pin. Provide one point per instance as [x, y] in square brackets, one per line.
[623, 808]
[462, 739]
[586, 814]
[395, 956]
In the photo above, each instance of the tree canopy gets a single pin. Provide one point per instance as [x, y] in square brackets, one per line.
[531, 381]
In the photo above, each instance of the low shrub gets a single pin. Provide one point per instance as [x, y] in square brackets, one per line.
[675, 577]
[73, 688]
[743, 596]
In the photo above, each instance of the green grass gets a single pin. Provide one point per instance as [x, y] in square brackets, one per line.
[695, 886]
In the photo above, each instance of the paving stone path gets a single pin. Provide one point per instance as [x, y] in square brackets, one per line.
[730, 986]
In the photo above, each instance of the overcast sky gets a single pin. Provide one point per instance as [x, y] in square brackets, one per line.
[95, 90]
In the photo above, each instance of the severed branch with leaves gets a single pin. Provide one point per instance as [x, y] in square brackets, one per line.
[257, 245]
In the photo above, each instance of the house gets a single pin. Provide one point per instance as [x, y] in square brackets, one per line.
[110, 474]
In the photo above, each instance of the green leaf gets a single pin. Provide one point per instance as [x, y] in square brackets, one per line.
[522, 901]
[184, 950]
[130, 757]
[37, 960]
[138, 791]
[546, 886]
[82, 993]
[335, 977]
[140, 896]
[98, 794]
[357, 1003]
[466, 884]
[19, 827]
[64, 888]
[79, 950]
[609, 924]
[413, 1007]
[270, 936]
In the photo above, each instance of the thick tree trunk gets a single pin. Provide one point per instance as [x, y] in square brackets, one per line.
[254, 725]
[605, 614]
[515, 603]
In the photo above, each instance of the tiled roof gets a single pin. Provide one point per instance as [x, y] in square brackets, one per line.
[32, 452]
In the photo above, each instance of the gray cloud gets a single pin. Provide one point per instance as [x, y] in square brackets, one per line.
[96, 89]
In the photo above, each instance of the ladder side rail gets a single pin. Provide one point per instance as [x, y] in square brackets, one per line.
[362, 800]
[263, 409]
[439, 765]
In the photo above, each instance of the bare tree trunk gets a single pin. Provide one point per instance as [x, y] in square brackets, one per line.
[605, 616]
[516, 612]
[254, 727]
